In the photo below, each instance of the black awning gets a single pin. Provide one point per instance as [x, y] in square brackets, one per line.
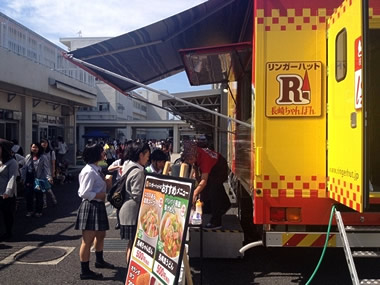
[152, 53]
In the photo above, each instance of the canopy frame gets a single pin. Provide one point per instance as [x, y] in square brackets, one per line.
[82, 63]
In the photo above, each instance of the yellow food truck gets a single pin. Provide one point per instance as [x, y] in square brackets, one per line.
[314, 142]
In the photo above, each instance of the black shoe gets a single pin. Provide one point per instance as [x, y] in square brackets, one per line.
[104, 264]
[117, 227]
[91, 275]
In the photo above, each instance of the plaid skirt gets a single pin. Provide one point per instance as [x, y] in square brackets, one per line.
[128, 232]
[92, 216]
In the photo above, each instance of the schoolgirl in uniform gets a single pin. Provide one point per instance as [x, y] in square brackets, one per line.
[92, 216]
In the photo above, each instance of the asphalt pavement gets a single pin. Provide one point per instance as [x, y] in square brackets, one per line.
[54, 232]
[46, 251]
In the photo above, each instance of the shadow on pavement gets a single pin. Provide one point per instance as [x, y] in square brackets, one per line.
[120, 275]
[54, 216]
[68, 203]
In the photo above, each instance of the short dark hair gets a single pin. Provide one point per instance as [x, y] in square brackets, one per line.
[40, 148]
[158, 155]
[92, 153]
[6, 147]
[133, 151]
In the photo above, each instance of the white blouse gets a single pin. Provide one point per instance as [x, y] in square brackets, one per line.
[119, 171]
[91, 182]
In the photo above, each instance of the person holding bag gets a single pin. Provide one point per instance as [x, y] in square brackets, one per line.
[37, 178]
[138, 154]
[8, 175]
[92, 216]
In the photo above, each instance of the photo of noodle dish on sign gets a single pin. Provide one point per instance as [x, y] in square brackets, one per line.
[149, 223]
[171, 231]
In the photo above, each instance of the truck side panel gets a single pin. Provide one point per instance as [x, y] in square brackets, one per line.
[290, 108]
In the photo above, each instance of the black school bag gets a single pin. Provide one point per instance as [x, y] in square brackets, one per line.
[117, 195]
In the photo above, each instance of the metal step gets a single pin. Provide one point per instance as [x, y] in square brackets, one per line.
[370, 281]
[366, 253]
[347, 248]
[356, 231]
[362, 229]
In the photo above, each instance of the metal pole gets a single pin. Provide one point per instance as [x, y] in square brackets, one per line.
[216, 141]
[70, 57]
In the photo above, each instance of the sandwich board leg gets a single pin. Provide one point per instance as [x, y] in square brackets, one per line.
[186, 265]
[189, 280]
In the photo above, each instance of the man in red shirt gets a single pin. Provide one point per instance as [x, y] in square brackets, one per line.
[212, 171]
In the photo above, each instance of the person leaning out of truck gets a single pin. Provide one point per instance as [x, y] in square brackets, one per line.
[211, 172]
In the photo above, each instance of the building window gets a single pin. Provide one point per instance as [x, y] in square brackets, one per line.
[102, 107]
[88, 109]
[120, 108]
[341, 55]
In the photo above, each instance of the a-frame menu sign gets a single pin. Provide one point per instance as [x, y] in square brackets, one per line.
[161, 230]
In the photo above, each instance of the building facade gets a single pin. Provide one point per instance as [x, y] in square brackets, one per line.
[114, 106]
[40, 91]
[111, 106]
[155, 114]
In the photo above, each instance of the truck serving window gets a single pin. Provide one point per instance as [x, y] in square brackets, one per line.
[341, 55]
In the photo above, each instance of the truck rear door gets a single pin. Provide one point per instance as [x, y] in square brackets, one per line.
[346, 106]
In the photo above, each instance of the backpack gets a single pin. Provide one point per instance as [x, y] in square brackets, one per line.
[117, 194]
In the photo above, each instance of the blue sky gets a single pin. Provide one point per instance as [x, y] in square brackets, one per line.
[98, 18]
[177, 83]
